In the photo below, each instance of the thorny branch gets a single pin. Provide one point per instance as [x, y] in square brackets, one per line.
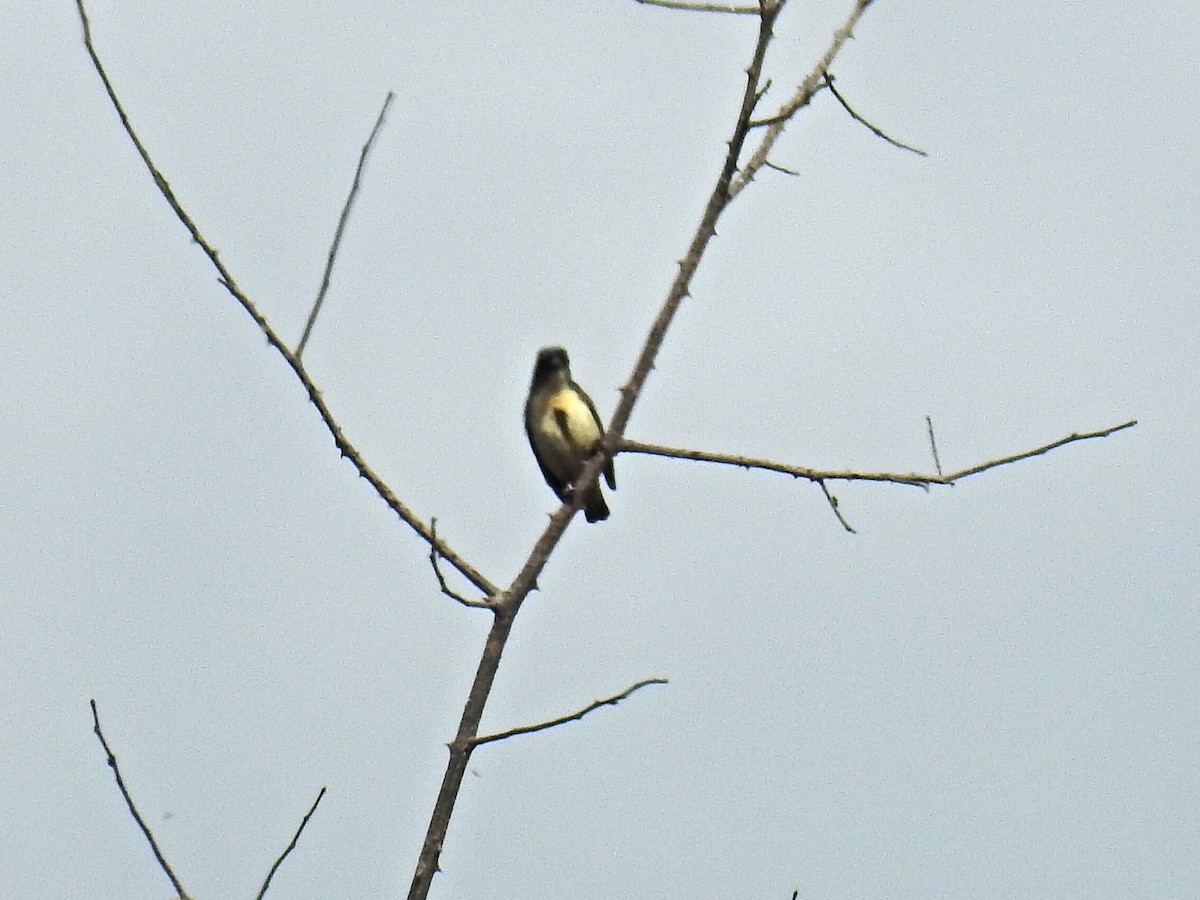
[343, 445]
[505, 604]
[812, 83]
[820, 475]
[508, 604]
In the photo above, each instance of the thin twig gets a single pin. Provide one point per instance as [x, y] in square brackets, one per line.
[819, 475]
[137, 817]
[833, 504]
[292, 846]
[345, 448]
[1029, 454]
[437, 570]
[857, 118]
[341, 225]
[703, 7]
[779, 168]
[563, 720]
[937, 463]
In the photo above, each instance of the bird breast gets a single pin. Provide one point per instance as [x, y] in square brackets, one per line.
[568, 426]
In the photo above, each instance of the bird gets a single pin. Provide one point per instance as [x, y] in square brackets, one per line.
[564, 431]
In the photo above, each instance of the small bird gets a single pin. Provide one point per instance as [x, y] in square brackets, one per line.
[564, 430]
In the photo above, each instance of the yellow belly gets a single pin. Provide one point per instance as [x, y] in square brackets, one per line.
[567, 427]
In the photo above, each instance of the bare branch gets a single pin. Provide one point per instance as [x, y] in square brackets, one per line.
[133, 810]
[573, 717]
[290, 847]
[226, 279]
[833, 504]
[703, 7]
[762, 92]
[779, 168]
[812, 83]
[437, 570]
[857, 118]
[1029, 454]
[462, 745]
[821, 475]
[937, 463]
[341, 225]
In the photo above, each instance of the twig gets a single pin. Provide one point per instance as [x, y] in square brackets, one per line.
[461, 746]
[345, 448]
[292, 846]
[833, 504]
[437, 570]
[1029, 454]
[341, 225]
[820, 475]
[857, 118]
[563, 720]
[937, 463]
[137, 817]
[703, 7]
[762, 92]
[779, 168]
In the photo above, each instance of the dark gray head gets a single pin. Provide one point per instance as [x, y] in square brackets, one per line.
[550, 361]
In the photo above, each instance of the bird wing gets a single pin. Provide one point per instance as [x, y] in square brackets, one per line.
[610, 474]
[556, 484]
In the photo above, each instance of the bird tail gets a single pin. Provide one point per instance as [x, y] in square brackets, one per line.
[594, 507]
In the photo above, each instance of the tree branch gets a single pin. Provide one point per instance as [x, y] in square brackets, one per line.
[857, 118]
[446, 589]
[833, 505]
[784, 169]
[290, 847]
[133, 810]
[703, 7]
[821, 475]
[345, 448]
[937, 462]
[812, 83]
[563, 720]
[341, 225]
[460, 749]
[507, 604]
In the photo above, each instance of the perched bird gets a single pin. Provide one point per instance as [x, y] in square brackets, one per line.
[564, 430]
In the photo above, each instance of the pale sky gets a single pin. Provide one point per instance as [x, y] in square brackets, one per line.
[990, 691]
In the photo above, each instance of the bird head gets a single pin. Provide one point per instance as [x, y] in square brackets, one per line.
[551, 361]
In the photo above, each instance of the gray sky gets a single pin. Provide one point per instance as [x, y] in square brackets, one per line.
[989, 691]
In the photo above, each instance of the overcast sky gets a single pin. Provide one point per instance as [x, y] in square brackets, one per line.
[992, 690]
